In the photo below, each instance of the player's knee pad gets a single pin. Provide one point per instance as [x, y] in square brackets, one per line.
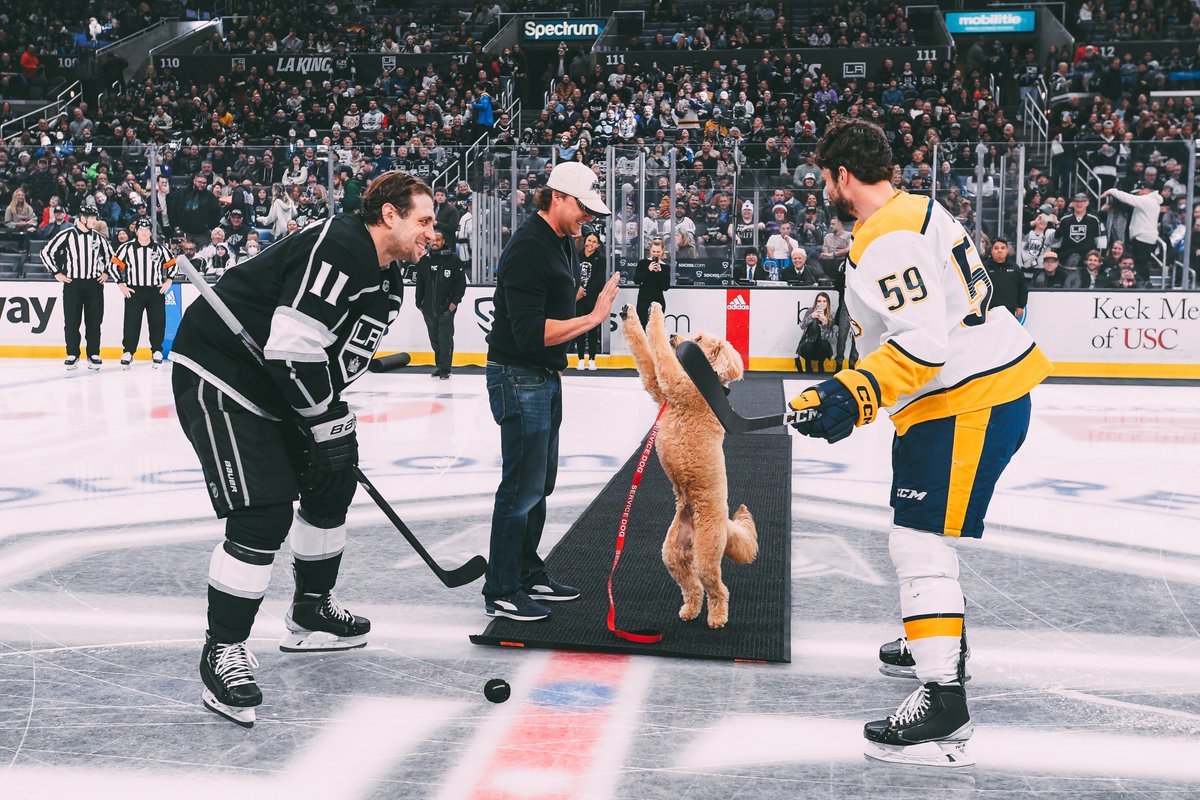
[239, 570]
[328, 508]
[920, 554]
[312, 540]
[261, 528]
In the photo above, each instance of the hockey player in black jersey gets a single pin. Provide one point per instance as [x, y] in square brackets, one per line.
[318, 301]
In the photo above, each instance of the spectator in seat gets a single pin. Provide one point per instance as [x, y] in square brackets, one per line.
[236, 228]
[781, 245]
[1079, 231]
[751, 268]
[799, 272]
[1127, 277]
[281, 212]
[1050, 276]
[685, 245]
[1093, 275]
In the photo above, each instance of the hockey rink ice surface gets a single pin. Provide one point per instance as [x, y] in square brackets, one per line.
[1083, 604]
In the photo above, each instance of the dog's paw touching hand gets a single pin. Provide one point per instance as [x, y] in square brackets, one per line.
[626, 310]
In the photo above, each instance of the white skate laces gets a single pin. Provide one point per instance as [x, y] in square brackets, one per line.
[912, 709]
[233, 664]
[332, 609]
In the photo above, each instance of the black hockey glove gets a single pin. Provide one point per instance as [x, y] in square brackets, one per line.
[847, 400]
[332, 446]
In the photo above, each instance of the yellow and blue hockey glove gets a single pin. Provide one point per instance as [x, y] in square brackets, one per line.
[845, 401]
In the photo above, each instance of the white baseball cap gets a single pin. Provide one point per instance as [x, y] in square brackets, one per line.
[577, 180]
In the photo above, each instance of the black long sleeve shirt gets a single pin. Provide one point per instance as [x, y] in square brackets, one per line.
[536, 282]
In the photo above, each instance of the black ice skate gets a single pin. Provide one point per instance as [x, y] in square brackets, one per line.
[229, 687]
[896, 661]
[931, 728]
[317, 622]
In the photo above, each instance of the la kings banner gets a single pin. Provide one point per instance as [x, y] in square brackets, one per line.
[361, 68]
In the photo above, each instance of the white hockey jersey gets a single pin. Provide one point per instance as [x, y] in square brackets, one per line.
[918, 299]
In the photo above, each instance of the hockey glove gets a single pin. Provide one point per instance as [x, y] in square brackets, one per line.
[847, 400]
[332, 446]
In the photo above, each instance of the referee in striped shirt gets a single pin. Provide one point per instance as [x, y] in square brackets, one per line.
[143, 270]
[79, 259]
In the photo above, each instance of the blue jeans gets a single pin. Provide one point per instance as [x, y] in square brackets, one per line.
[526, 403]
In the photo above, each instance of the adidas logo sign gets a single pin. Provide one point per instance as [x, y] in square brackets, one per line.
[738, 303]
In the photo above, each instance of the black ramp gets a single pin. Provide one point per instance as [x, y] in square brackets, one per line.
[759, 469]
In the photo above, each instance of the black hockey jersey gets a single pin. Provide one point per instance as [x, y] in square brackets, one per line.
[317, 302]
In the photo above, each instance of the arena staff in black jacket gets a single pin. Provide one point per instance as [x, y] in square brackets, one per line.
[535, 321]
[318, 303]
[653, 277]
[591, 281]
[441, 284]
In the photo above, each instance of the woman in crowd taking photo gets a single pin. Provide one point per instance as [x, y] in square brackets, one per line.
[818, 333]
[653, 278]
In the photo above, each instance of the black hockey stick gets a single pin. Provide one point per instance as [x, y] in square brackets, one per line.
[696, 365]
[460, 576]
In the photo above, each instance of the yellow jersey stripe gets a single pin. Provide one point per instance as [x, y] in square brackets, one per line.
[994, 387]
[925, 627]
[897, 372]
[970, 431]
[905, 212]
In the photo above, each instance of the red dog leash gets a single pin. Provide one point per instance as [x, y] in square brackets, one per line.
[644, 636]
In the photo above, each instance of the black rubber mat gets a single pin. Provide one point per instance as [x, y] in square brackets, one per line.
[759, 629]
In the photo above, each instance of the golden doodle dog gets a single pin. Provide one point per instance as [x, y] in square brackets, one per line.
[689, 449]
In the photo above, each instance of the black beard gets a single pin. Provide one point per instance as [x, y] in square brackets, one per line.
[843, 209]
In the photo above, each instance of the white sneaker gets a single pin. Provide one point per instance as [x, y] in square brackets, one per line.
[581, 364]
[126, 360]
[158, 359]
[592, 364]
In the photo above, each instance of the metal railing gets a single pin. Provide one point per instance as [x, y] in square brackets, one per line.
[51, 112]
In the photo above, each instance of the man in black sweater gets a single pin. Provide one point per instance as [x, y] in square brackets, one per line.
[527, 351]
[1009, 287]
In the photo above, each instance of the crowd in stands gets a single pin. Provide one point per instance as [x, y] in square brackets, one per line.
[738, 132]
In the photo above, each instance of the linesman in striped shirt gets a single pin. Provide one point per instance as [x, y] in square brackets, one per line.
[144, 271]
[78, 258]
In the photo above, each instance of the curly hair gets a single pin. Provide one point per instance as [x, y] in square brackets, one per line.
[395, 187]
[857, 145]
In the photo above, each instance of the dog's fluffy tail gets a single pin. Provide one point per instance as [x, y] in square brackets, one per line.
[741, 542]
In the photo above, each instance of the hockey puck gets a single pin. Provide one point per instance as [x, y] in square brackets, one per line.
[497, 690]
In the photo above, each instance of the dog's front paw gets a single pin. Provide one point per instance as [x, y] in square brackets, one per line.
[690, 610]
[626, 310]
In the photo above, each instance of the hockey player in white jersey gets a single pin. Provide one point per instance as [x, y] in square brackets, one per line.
[955, 377]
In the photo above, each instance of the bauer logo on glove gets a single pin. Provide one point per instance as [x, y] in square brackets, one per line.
[845, 401]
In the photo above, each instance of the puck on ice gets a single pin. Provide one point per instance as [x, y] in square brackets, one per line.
[497, 690]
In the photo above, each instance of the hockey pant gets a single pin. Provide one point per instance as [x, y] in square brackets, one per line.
[251, 466]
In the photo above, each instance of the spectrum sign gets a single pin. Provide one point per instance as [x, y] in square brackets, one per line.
[991, 21]
[540, 30]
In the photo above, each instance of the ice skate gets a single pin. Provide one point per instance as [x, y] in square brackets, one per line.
[229, 687]
[157, 361]
[317, 622]
[126, 360]
[72, 362]
[931, 728]
[94, 362]
[896, 661]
